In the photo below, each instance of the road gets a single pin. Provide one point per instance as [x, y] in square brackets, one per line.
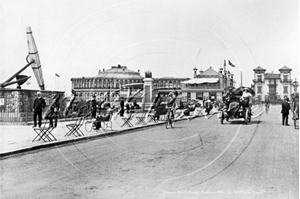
[196, 159]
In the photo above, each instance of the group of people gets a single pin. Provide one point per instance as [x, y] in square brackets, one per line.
[172, 105]
[234, 100]
[286, 107]
[51, 113]
[178, 109]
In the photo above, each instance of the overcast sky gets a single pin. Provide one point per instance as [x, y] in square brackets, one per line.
[78, 38]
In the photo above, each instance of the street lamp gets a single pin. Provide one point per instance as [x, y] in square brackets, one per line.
[295, 84]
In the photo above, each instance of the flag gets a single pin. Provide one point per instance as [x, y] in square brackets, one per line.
[57, 75]
[230, 64]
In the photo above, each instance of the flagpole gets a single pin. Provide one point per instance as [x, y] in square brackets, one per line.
[241, 78]
[54, 81]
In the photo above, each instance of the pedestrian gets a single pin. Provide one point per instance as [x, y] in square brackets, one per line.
[267, 102]
[285, 108]
[122, 104]
[38, 105]
[53, 111]
[94, 107]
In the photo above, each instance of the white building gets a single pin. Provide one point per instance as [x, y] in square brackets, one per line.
[274, 86]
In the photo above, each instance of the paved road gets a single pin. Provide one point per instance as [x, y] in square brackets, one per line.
[197, 159]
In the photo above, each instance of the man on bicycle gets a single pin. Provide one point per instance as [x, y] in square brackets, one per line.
[171, 105]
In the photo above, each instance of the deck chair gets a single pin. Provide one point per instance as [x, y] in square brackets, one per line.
[44, 132]
[74, 128]
[127, 120]
[108, 123]
[140, 115]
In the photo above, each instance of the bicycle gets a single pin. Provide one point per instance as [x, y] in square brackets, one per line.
[170, 118]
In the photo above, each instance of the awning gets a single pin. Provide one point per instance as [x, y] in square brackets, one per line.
[201, 80]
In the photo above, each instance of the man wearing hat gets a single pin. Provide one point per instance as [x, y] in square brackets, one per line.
[38, 106]
[285, 109]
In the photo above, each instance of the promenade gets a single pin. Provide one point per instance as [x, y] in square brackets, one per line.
[17, 139]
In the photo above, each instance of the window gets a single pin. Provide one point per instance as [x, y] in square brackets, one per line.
[285, 89]
[188, 95]
[285, 78]
[259, 89]
[259, 78]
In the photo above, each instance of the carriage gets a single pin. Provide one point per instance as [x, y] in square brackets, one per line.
[234, 108]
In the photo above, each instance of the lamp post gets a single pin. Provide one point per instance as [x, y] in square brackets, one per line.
[295, 84]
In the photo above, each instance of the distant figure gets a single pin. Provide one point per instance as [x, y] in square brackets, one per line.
[94, 107]
[122, 104]
[53, 111]
[38, 106]
[285, 111]
[267, 105]
[208, 106]
[135, 105]
[156, 104]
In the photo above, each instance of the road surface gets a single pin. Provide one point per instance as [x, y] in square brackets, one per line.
[196, 159]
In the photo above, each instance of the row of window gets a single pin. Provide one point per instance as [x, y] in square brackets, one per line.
[271, 90]
[272, 81]
[102, 83]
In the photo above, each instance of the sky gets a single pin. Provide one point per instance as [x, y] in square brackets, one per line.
[167, 37]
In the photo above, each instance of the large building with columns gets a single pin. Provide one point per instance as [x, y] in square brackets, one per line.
[207, 84]
[275, 86]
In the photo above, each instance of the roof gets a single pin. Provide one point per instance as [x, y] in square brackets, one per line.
[201, 80]
[285, 68]
[208, 73]
[120, 72]
[171, 78]
[259, 68]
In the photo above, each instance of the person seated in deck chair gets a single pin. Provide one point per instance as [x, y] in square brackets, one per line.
[102, 118]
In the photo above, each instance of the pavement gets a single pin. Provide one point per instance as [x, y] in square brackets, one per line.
[17, 139]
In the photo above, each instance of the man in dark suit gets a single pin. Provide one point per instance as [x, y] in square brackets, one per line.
[122, 104]
[38, 106]
[285, 111]
[94, 107]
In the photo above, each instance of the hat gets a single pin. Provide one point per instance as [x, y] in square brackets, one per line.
[38, 93]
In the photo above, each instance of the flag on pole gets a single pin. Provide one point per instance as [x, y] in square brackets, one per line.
[57, 75]
[230, 64]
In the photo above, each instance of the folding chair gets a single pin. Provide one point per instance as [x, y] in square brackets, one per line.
[74, 128]
[44, 133]
[108, 123]
[127, 120]
[141, 117]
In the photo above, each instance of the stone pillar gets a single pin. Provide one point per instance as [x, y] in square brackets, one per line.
[148, 91]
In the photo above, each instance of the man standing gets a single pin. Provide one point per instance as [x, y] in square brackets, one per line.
[38, 106]
[285, 111]
[122, 103]
[94, 106]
